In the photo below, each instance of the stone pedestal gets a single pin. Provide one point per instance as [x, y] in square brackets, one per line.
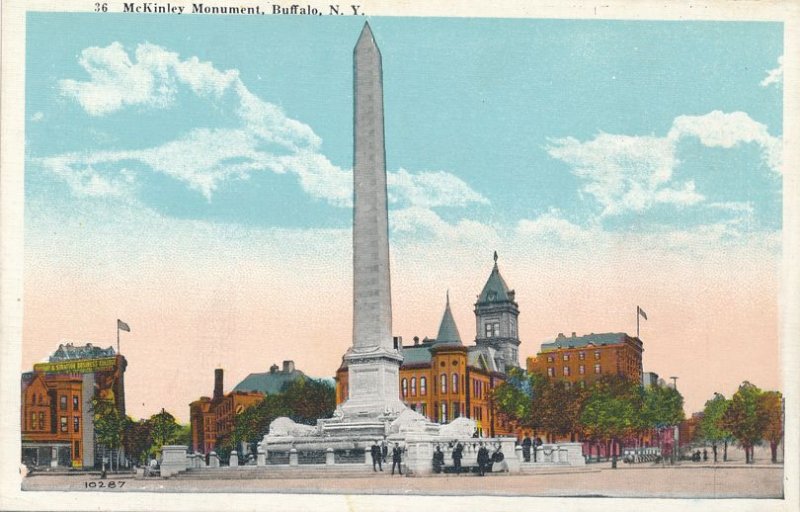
[329, 457]
[261, 458]
[234, 459]
[213, 460]
[293, 461]
[173, 460]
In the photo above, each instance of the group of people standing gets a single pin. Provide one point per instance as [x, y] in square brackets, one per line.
[485, 460]
[379, 452]
[527, 444]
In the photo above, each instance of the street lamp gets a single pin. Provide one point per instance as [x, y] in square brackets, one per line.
[676, 432]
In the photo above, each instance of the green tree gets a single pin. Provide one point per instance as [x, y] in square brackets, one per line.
[771, 406]
[745, 419]
[609, 416]
[514, 397]
[108, 425]
[137, 439]
[164, 429]
[253, 423]
[557, 407]
[711, 427]
[309, 399]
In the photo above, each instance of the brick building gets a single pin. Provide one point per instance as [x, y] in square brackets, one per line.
[212, 419]
[584, 359]
[443, 379]
[57, 416]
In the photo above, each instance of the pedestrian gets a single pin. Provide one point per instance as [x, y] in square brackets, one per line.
[375, 452]
[384, 450]
[438, 459]
[526, 448]
[483, 459]
[705, 455]
[457, 454]
[397, 459]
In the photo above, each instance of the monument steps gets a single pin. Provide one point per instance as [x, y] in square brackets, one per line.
[282, 471]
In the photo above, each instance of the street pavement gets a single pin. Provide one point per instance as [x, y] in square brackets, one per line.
[687, 480]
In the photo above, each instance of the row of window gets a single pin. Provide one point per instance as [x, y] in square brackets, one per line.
[62, 402]
[37, 422]
[446, 412]
[408, 387]
[581, 356]
[551, 372]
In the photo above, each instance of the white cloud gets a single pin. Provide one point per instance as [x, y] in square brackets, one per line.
[431, 189]
[265, 140]
[423, 222]
[728, 130]
[633, 173]
[774, 76]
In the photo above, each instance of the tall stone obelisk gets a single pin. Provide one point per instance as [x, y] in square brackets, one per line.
[373, 362]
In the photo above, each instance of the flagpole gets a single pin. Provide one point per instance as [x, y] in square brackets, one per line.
[637, 322]
[117, 336]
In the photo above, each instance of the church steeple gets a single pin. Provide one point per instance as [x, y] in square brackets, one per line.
[448, 331]
[496, 315]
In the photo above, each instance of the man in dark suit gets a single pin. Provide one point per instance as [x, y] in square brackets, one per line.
[375, 452]
[397, 458]
[457, 454]
[483, 459]
[384, 450]
[526, 448]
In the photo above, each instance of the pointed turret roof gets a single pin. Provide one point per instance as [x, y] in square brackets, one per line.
[495, 289]
[448, 332]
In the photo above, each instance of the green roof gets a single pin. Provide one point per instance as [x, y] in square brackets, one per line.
[605, 338]
[269, 382]
[448, 332]
[495, 289]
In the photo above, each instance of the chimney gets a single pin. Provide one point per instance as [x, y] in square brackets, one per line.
[217, 383]
[573, 334]
[560, 335]
[416, 340]
[273, 368]
[288, 366]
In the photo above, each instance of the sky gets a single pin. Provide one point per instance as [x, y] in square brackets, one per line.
[191, 176]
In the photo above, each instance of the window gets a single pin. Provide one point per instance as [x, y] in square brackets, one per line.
[492, 329]
[443, 383]
[443, 418]
[76, 452]
[597, 354]
[566, 371]
[581, 355]
[405, 388]
[456, 410]
[76, 424]
[33, 426]
[75, 403]
[597, 368]
[423, 383]
[454, 389]
[550, 371]
[63, 402]
[581, 369]
[425, 409]
[413, 386]
[63, 423]
[549, 359]
[41, 420]
[566, 357]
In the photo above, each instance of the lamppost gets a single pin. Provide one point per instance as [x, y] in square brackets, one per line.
[676, 443]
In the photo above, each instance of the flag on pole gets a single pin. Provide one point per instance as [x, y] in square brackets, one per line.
[122, 326]
[641, 312]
